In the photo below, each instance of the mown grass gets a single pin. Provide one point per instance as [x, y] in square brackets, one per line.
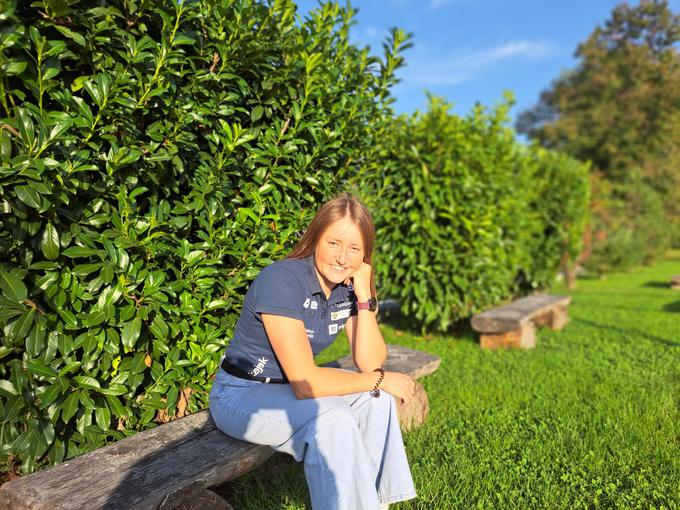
[588, 419]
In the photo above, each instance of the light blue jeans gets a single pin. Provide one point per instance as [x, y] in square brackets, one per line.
[353, 452]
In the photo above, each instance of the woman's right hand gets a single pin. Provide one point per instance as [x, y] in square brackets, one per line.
[399, 385]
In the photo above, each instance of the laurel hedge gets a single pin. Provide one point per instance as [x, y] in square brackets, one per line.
[466, 216]
[155, 156]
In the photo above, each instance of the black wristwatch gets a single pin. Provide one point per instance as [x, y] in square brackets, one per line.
[371, 304]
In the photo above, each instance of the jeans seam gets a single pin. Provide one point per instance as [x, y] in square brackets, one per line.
[404, 496]
[328, 473]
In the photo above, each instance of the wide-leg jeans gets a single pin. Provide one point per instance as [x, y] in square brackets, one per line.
[351, 445]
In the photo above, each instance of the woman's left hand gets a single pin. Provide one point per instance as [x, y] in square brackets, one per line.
[362, 282]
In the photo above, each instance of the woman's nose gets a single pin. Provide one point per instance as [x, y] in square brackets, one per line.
[341, 256]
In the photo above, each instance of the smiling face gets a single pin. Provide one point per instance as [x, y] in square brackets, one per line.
[338, 254]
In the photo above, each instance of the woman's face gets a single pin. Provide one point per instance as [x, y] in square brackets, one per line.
[339, 253]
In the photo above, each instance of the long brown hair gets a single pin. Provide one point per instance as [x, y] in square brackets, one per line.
[334, 210]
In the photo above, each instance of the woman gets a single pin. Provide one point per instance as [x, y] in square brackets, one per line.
[269, 390]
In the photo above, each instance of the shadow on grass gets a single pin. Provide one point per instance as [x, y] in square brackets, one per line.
[672, 307]
[629, 332]
[656, 285]
[393, 317]
[280, 477]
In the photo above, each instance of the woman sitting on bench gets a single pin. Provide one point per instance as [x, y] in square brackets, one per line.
[269, 391]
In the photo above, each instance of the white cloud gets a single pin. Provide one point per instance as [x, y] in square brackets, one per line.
[463, 66]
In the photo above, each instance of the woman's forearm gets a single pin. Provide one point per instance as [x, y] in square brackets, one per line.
[368, 346]
[326, 381]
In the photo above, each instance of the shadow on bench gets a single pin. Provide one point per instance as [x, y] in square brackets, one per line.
[172, 465]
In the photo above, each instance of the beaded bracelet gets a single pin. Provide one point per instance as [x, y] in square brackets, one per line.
[375, 392]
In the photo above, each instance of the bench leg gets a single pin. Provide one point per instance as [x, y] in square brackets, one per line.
[523, 338]
[560, 318]
[203, 500]
[413, 414]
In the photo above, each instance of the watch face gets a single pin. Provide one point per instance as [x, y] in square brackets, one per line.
[372, 304]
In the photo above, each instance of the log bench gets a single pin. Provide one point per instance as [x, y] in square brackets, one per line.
[172, 465]
[514, 325]
[675, 282]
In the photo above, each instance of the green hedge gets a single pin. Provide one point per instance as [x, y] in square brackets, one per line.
[561, 195]
[152, 161]
[467, 216]
[629, 226]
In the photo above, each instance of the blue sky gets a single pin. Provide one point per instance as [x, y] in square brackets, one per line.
[471, 50]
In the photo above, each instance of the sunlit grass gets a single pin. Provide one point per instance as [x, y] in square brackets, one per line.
[588, 419]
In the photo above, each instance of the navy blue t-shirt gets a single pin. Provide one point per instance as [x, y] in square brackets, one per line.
[288, 287]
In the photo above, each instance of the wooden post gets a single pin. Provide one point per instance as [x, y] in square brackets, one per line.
[414, 413]
[675, 282]
[559, 317]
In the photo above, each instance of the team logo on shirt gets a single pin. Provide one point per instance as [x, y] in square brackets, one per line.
[306, 303]
[260, 366]
[340, 314]
[332, 329]
[315, 305]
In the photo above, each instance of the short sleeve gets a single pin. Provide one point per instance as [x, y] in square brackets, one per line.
[279, 291]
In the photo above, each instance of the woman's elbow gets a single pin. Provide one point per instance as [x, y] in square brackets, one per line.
[302, 389]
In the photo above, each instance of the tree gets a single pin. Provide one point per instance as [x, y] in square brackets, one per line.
[620, 107]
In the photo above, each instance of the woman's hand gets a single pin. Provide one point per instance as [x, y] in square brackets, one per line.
[399, 385]
[361, 279]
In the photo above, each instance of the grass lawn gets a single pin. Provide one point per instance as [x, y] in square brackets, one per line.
[588, 419]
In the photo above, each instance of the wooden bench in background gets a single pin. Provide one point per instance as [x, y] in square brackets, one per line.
[172, 465]
[514, 325]
[675, 282]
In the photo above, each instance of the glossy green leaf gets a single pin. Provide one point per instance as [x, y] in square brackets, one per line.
[114, 389]
[51, 394]
[7, 389]
[13, 288]
[115, 406]
[69, 319]
[28, 196]
[79, 252]
[38, 367]
[103, 417]
[88, 382]
[130, 332]
[69, 407]
[50, 242]
[159, 328]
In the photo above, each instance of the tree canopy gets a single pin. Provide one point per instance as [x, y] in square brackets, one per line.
[620, 107]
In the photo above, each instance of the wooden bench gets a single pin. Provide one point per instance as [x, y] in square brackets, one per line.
[514, 325]
[172, 465]
[675, 282]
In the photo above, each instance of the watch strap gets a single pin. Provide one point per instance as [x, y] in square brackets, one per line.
[371, 304]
